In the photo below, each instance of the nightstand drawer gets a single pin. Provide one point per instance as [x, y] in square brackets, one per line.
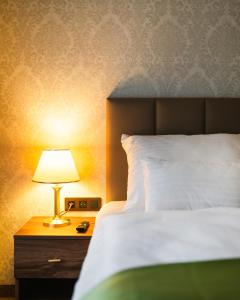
[49, 258]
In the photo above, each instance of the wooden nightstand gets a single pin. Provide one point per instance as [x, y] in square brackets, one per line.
[45, 255]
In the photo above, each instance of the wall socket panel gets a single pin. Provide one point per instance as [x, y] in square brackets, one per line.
[83, 203]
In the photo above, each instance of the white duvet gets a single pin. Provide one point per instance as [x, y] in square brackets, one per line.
[127, 240]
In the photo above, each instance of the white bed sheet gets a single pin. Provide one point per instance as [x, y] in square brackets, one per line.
[126, 240]
[112, 207]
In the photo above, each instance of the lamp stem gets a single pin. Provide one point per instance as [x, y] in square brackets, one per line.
[57, 220]
[57, 189]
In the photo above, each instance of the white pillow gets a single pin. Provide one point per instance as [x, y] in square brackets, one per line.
[209, 148]
[190, 185]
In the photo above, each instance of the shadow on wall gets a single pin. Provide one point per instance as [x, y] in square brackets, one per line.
[138, 85]
[196, 84]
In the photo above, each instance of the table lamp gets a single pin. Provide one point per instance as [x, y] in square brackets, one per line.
[56, 167]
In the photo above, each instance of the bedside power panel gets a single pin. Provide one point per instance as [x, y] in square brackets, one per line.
[83, 203]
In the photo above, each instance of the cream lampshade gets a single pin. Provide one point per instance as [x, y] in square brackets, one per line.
[56, 167]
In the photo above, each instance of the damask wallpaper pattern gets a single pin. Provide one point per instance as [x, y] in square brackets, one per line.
[60, 59]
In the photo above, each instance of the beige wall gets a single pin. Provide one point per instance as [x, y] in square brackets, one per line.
[60, 59]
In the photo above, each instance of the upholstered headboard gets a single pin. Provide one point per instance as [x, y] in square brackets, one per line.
[150, 116]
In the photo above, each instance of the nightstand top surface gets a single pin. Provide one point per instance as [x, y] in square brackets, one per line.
[34, 228]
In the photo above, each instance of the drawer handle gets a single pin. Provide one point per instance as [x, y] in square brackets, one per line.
[54, 260]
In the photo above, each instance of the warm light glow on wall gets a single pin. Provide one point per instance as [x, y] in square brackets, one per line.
[59, 128]
[68, 121]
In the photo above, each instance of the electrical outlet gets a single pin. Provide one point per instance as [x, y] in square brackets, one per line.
[68, 203]
[72, 204]
[83, 203]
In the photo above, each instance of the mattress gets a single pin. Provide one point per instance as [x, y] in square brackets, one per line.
[124, 241]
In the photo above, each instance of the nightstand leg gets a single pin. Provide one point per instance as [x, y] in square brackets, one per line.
[17, 288]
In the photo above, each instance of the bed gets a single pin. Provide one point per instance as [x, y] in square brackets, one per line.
[168, 252]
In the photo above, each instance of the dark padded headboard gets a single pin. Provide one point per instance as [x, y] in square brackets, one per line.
[150, 116]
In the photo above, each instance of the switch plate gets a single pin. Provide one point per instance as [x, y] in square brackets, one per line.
[83, 203]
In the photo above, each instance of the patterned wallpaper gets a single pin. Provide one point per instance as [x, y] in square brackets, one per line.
[60, 59]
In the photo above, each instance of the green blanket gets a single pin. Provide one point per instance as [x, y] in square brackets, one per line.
[212, 280]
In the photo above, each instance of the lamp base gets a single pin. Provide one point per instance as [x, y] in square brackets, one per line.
[56, 222]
